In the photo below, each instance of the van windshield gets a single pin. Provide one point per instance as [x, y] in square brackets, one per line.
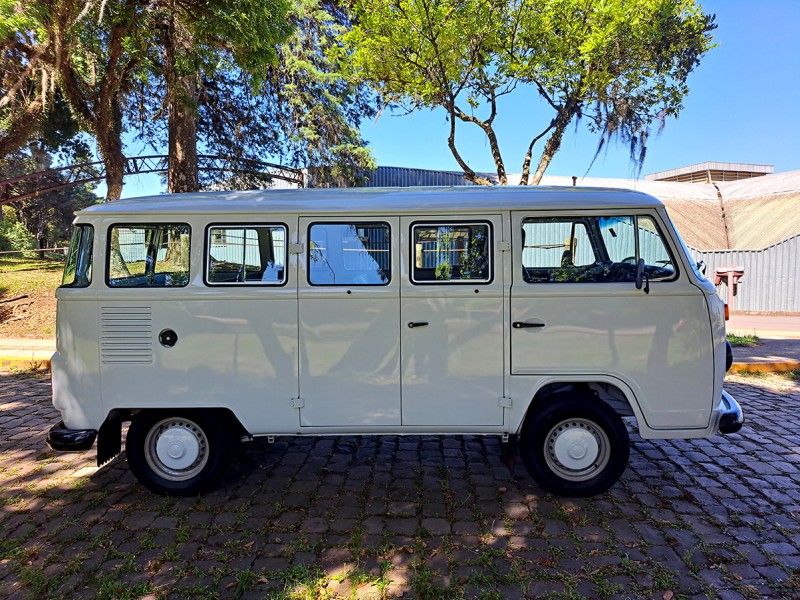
[78, 269]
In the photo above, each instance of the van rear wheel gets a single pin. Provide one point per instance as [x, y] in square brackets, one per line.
[178, 453]
[575, 445]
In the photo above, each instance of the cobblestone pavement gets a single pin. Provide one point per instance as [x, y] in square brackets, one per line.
[418, 516]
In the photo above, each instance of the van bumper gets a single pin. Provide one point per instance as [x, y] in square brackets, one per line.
[62, 439]
[731, 417]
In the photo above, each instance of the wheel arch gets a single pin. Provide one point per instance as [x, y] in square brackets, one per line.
[109, 436]
[611, 390]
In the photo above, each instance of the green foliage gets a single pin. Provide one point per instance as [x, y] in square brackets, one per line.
[423, 52]
[248, 31]
[301, 109]
[747, 341]
[255, 74]
[49, 216]
[621, 65]
[14, 236]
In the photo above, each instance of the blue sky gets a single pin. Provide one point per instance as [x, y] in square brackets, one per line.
[742, 107]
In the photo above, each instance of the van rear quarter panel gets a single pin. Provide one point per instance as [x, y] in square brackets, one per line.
[74, 367]
[234, 350]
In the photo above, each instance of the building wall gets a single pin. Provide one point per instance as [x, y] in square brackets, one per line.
[770, 283]
[406, 177]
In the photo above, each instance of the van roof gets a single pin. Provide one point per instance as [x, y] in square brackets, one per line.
[466, 199]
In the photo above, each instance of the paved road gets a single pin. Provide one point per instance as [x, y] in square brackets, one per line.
[773, 326]
[420, 516]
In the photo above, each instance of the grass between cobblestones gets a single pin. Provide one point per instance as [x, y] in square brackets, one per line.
[422, 517]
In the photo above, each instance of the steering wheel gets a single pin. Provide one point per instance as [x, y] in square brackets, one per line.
[629, 260]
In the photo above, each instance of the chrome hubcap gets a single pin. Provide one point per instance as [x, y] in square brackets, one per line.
[176, 449]
[576, 449]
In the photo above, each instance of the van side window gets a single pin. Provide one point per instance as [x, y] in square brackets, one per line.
[451, 253]
[619, 239]
[560, 250]
[148, 255]
[593, 249]
[249, 255]
[78, 268]
[349, 254]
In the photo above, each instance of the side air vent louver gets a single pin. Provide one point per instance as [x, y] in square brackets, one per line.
[126, 335]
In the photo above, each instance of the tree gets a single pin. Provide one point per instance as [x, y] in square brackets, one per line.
[48, 218]
[198, 38]
[85, 50]
[621, 65]
[298, 108]
[182, 73]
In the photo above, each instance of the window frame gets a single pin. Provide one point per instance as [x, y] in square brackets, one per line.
[665, 240]
[354, 223]
[450, 223]
[128, 225]
[86, 234]
[245, 284]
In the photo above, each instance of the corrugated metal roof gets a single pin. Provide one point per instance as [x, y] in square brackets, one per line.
[769, 185]
[758, 222]
[715, 171]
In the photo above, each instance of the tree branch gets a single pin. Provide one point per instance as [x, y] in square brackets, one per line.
[469, 174]
[494, 146]
[526, 164]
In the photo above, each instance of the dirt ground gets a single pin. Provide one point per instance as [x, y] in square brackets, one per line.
[27, 298]
[30, 317]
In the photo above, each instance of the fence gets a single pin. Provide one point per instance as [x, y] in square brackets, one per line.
[62, 250]
[771, 281]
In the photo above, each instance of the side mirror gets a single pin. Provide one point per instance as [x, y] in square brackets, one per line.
[641, 277]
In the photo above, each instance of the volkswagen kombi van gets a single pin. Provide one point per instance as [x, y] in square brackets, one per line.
[542, 315]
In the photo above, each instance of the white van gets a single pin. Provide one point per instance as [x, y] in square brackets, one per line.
[544, 314]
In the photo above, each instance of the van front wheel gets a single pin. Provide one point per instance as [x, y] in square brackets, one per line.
[180, 453]
[574, 445]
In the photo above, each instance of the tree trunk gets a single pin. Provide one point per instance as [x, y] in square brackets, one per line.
[554, 141]
[114, 176]
[494, 146]
[182, 173]
[498, 159]
[41, 238]
[109, 142]
[100, 110]
[469, 174]
[182, 111]
[526, 164]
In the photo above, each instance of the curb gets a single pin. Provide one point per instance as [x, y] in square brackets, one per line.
[34, 360]
[765, 367]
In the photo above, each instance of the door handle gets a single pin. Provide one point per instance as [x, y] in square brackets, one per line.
[412, 324]
[525, 325]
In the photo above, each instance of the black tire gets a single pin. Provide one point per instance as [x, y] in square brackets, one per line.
[199, 453]
[574, 445]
